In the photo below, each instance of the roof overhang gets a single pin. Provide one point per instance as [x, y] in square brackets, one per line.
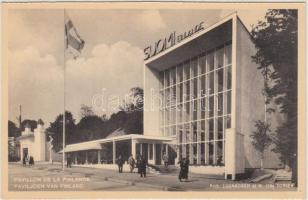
[209, 38]
[96, 144]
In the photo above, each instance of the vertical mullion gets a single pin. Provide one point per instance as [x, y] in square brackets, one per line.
[198, 112]
[215, 107]
[190, 113]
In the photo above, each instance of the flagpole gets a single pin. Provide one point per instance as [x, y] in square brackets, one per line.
[64, 60]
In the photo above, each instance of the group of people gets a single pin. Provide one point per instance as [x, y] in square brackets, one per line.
[140, 163]
[28, 159]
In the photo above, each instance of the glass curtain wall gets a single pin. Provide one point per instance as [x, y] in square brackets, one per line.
[196, 105]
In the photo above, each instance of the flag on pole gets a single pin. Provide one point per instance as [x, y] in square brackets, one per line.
[74, 42]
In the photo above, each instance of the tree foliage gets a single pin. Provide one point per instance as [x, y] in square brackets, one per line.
[261, 136]
[276, 43]
[56, 130]
[13, 130]
[91, 127]
[28, 122]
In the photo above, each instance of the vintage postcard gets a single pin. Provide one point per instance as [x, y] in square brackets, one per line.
[153, 100]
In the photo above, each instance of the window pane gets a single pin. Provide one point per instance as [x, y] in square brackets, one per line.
[220, 128]
[229, 102]
[220, 104]
[228, 54]
[161, 80]
[181, 92]
[167, 97]
[203, 108]
[229, 77]
[211, 153]
[210, 60]
[180, 133]
[219, 153]
[202, 64]
[173, 76]
[203, 130]
[195, 107]
[174, 95]
[187, 131]
[202, 153]
[211, 80]
[194, 128]
[187, 112]
[220, 57]
[186, 70]
[179, 113]
[203, 85]
[194, 67]
[173, 118]
[151, 151]
[211, 129]
[220, 81]
[167, 78]
[211, 106]
[195, 82]
[187, 94]
[180, 72]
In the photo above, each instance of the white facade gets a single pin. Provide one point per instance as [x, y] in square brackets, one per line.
[218, 60]
[33, 143]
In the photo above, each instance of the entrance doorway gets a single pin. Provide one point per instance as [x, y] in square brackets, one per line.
[24, 152]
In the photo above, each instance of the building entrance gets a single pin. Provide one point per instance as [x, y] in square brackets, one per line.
[24, 152]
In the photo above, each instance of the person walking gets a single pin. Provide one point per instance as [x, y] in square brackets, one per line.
[24, 163]
[131, 162]
[138, 161]
[120, 163]
[142, 166]
[166, 160]
[184, 168]
[27, 160]
[31, 161]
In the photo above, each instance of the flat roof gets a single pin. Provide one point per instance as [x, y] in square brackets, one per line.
[155, 58]
[96, 144]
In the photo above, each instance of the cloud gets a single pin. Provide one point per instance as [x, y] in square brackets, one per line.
[36, 80]
[113, 69]
[36, 83]
[152, 20]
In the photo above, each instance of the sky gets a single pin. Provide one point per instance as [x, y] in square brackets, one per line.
[110, 64]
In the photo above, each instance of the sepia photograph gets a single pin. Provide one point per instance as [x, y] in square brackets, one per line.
[160, 97]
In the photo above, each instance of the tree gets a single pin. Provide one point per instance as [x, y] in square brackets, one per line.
[133, 107]
[134, 102]
[30, 122]
[13, 131]
[276, 43]
[90, 128]
[261, 138]
[56, 128]
[86, 111]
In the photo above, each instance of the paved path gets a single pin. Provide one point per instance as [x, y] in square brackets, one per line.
[80, 178]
